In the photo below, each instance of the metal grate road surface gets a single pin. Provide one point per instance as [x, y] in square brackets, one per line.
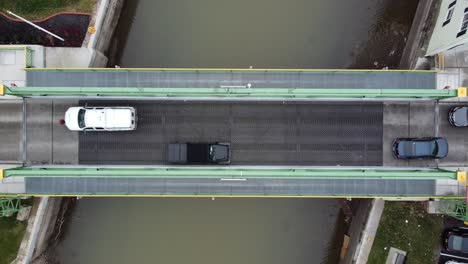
[319, 133]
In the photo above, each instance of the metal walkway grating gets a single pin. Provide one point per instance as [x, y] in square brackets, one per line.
[218, 79]
[261, 187]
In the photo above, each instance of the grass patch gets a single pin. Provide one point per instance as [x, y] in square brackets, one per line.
[38, 9]
[11, 234]
[419, 237]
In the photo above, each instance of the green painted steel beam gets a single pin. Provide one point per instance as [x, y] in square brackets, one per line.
[9, 206]
[455, 208]
[233, 70]
[232, 173]
[274, 93]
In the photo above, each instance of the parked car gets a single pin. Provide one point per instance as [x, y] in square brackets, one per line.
[120, 118]
[458, 116]
[420, 148]
[456, 241]
[204, 153]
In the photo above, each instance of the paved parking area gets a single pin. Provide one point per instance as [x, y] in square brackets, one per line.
[48, 142]
[424, 119]
[457, 138]
[274, 133]
[407, 119]
[11, 127]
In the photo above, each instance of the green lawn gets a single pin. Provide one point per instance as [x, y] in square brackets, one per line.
[418, 237]
[11, 234]
[38, 9]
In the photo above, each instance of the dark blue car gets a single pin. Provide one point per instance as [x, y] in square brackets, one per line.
[456, 241]
[420, 148]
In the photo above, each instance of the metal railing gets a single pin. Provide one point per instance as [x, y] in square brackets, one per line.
[237, 93]
[231, 173]
[9, 206]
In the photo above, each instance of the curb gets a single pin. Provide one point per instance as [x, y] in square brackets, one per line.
[47, 18]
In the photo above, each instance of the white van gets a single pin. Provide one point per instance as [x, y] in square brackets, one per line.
[120, 118]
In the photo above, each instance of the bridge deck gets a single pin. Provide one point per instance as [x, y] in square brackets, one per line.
[320, 133]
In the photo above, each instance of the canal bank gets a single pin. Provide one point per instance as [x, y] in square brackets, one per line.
[104, 22]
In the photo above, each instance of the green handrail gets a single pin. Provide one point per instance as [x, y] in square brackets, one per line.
[231, 172]
[274, 93]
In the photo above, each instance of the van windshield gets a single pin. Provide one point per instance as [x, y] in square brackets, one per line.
[81, 118]
[219, 153]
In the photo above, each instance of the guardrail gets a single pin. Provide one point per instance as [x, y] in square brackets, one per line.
[231, 173]
[229, 92]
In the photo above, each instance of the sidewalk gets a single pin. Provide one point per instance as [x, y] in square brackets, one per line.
[362, 231]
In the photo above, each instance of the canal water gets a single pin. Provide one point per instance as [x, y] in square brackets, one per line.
[201, 231]
[262, 33]
[233, 34]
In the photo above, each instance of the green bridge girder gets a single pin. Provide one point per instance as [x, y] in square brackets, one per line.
[231, 92]
[232, 173]
[455, 208]
[9, 206]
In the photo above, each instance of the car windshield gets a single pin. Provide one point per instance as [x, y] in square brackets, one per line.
[458, 243]
[81, 118]
[433, 147]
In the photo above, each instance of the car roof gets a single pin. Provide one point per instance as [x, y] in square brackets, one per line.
[458, 242]
[108, 117]
[460, 116]
[416, 147]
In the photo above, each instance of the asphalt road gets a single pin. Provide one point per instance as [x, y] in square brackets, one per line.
[457, 138]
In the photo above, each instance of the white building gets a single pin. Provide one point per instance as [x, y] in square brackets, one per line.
[451, 27]
[13, 59]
